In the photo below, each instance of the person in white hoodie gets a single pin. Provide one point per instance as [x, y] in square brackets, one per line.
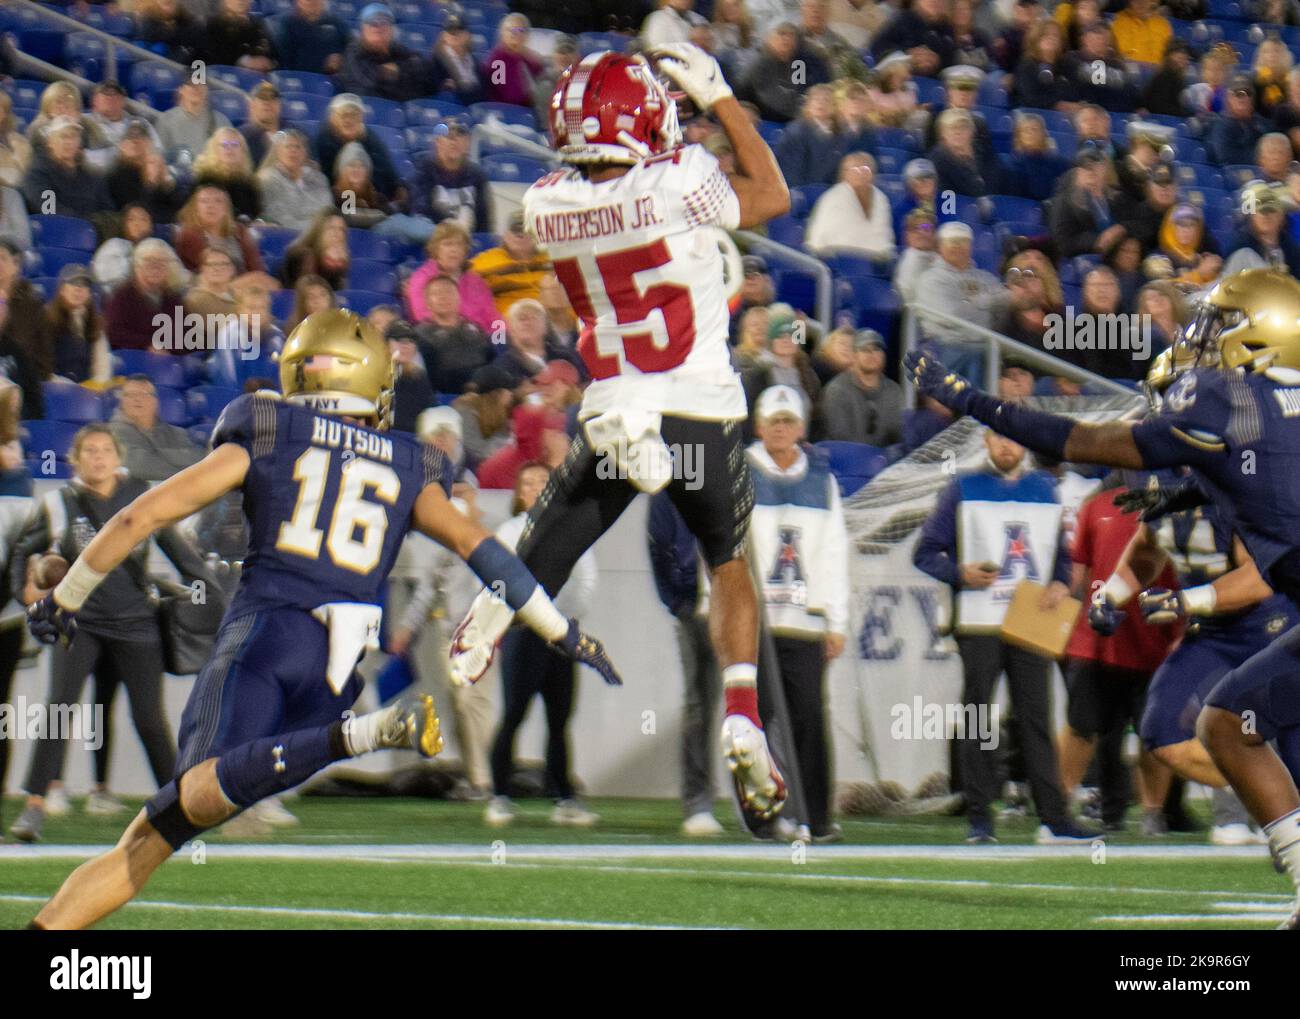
[853, 216]
[801, 548]
[530, 667]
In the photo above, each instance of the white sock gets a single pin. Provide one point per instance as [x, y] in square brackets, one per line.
[361, 733]
[1284, 840]
[742, 674]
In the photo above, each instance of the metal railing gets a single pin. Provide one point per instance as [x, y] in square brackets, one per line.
[995, 345]
[494, 131]
[112, 44]
[56, 73]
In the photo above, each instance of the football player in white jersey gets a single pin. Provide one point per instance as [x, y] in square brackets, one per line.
[631, 223]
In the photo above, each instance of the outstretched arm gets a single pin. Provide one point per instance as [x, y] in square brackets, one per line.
[171, 501]
[1238, 589]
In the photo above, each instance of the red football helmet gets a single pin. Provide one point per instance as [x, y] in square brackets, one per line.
[612, 108]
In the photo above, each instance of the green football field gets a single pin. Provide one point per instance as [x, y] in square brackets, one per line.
[403, 863]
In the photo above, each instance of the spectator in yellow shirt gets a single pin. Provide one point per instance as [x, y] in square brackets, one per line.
[1141, 34]
[513, 270]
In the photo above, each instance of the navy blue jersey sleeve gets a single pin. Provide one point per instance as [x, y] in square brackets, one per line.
[1194, 427]
[250, 421]
[438, 469]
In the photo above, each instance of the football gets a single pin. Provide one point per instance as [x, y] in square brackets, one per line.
[49, 570]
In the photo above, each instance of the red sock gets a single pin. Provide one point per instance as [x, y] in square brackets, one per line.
[740, 692]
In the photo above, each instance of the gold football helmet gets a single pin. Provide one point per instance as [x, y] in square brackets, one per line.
[1249, 320]
[338, 363]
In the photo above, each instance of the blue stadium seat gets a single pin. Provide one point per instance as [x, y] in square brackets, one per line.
[1238, 175]
[40, 437]
[232, 104]
[771, 131]
[383, 112]
[27, 93]
[419, 37]
[53, 259]
[928, 90]
[64, 232]
[515, 169]
[303, 81]
[796, 288]
[419, 138]
[67, 401]
[364, 244]
[786, 230]
[431, 112]
[297, 106]
[1007, 208]
[200, 433]
[171, 406]
[853, 463]
[393, 138]
[505, 112]
[207, 402]
[43, 44]
[84, 54]
[162, 369]
[272, 240]
[997, 120]
[417, 12]
[240, 77]
[1212, 200]
[872, 301]
[804, 197]
[282, 305]
[256, 368]
[590, 42]
[49, 470]
[847, 264]
[891, 161]
[364, 274]
[148, 77]
[361, 301]
[1053, 120]
[898, 138]
[1200, 175]
[112, 22]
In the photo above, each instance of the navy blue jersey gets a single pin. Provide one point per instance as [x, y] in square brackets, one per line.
[1241, 435]
[328, 502]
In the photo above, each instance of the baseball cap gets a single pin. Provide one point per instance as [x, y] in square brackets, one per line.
[754, 265]
[962, 76]
[868, 339]
[372, 14]
[780, 324]
[1186, 214]
[917, 168]
[776, 400]
[515, 224]
[345, 101]
[401, 330]
[1241, 83]
[265, 90]
[76, 273]
[895, 59]
[438, 419]
[491, 377]
[955, 230]
[557, 371]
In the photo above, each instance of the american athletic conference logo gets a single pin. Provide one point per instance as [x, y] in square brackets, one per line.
[785, 580]
[1017, 554]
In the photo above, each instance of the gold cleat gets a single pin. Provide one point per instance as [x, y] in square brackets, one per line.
[412, 724]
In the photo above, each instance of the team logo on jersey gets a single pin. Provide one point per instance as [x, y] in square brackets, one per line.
[1182, 395]
[1017, 554]
[785, 581]
[1275, 626]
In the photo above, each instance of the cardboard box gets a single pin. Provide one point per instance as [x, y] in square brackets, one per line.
[1029, 627]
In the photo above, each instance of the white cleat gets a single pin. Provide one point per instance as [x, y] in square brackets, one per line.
[411, 724]
[701, 826]
[101, 803]
[573, 814]
[499, 812]
[272, 811]
[760, 789]
[1237, 834]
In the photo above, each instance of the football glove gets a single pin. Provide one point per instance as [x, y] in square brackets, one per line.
[933, 379]
[1104, 616]
[475, 641]
[696, 72]
[1155, 503]
[49, 622]
[1160, 605]
[583, 647]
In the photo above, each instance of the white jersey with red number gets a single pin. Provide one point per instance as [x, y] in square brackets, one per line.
[639, 258]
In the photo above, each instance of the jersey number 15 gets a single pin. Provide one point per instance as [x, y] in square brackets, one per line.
[631, 307]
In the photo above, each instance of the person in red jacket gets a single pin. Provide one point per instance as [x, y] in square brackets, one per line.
[539, 435]
[1107, 677]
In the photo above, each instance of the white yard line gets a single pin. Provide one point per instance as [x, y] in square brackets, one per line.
[1179, 918]
[357, 914]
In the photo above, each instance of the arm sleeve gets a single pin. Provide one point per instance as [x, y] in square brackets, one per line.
[936, 550]
[707, 196]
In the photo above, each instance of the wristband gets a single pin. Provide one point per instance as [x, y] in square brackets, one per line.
[77, 585]
[1200, 601]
